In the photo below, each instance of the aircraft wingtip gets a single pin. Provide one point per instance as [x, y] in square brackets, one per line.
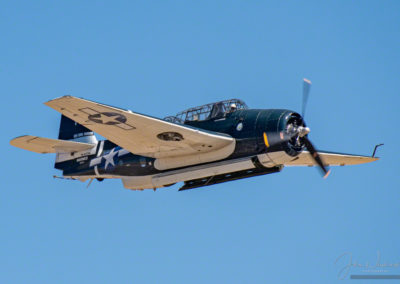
[58, 98]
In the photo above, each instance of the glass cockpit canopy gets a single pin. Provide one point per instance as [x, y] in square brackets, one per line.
[209, 111]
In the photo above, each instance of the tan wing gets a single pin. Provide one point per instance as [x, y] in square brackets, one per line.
[140, 134]
[331, 159]
[47, 145]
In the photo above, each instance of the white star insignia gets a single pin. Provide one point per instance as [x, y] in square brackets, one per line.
[110, 158]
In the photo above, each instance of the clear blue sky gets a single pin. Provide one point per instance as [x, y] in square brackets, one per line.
[159, 57]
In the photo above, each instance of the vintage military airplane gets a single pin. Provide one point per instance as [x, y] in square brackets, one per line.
[201, 146]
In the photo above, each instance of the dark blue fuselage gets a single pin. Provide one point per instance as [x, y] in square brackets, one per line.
[246, 126]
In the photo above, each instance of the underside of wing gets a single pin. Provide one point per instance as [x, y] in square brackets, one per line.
[141, 134]
[330, 159]
[47, 145]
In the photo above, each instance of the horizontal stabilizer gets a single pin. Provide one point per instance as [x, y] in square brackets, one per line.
[47, 145]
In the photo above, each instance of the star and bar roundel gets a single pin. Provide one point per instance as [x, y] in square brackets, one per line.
[107, 118]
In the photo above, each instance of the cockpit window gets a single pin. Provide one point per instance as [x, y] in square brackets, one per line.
[208, 111]
[217, 111]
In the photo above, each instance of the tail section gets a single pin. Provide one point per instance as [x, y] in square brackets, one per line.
[74, 132]
[75, 145]
[71, 130]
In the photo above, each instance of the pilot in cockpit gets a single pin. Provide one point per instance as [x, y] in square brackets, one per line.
[232, 107]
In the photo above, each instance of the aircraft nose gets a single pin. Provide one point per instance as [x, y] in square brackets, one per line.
[303, 131]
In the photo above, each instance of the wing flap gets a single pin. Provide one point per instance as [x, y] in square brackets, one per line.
[137, 133]
[330, 159]
[47, 145]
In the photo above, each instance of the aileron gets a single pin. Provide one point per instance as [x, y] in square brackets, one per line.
[330, 159]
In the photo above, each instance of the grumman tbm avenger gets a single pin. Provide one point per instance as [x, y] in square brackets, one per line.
[201, 146]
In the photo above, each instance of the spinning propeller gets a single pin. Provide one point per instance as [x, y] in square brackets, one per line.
[296, 133]
[303, 131]
[306, 92]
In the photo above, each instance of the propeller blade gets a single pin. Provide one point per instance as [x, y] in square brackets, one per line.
[316, 157]
[90, 182]
[306, 92]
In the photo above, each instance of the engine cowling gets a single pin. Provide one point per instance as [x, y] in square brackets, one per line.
[279, 135]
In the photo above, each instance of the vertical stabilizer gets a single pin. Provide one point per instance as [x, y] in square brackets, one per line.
[71, 130]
